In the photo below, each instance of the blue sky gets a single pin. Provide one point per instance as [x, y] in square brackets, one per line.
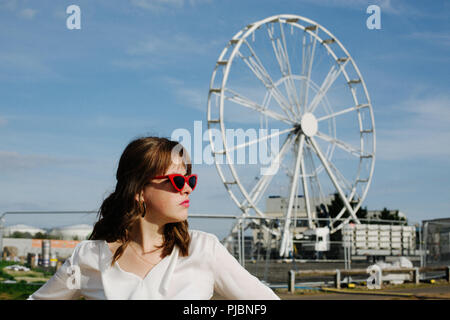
[72, 99]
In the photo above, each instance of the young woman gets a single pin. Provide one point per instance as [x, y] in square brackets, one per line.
[141, 247]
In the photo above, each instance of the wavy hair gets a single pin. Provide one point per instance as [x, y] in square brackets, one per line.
[142, 160]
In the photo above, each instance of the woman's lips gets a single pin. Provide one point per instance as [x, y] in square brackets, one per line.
[185, 203]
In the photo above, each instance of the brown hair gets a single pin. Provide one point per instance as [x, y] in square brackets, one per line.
[143, 159]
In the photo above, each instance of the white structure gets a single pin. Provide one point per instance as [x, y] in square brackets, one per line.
[320, 239]
[393, 278]
[269, 75]
[17, 267]
[9, 231]
[380, 240]
[79, 231]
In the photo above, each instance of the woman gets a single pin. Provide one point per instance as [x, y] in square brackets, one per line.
[141, 247]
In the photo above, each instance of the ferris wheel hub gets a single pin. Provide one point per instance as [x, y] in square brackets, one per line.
[309, 124]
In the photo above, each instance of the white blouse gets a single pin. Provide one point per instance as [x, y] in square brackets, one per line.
[208, 268]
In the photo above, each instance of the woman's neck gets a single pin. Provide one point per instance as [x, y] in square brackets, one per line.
[147, 235]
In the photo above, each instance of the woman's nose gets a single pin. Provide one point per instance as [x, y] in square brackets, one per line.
[186, 189]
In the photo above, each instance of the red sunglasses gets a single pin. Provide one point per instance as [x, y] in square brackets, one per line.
[178, 181]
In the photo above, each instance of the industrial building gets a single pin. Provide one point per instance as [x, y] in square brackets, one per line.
[73, 232]
[22, 228]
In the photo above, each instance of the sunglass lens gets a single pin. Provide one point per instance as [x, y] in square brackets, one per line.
[179, 182]
[192, 182]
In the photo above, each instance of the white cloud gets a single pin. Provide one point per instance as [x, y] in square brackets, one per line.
[386, 6]
[161, 5]
[28, 13]
[157, 50]
[420, 129]
[16, 65]
[166, 44]
[197, 98]
[432, 37]
[9, 4]
[11, 161]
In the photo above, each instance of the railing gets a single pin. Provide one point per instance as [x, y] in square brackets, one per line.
[337, 274]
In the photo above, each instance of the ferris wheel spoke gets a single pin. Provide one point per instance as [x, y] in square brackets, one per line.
[249, 143]
[314, 180]
[307, 63]
[330, 78]
[341, 213]
[306, 192]
[292, 195]
[240, 99]
[332, 177]
[262, 184]
[342, 224]
[281, 54]
[342, 145]
[347, 110]
[333, 220]
[255, 65]
[342, 179]
[339, 177]
[291, 85]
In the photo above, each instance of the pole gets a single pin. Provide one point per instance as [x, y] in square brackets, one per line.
[242, 244]
[239, 242]
[421, 247]
[1, 236]
[425, 236]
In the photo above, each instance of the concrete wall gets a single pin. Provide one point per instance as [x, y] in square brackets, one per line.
[25, 246]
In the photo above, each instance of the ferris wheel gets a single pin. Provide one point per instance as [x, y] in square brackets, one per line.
[289, 92]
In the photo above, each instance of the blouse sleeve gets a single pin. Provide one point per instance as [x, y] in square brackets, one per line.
[234, 282]
[65, 283]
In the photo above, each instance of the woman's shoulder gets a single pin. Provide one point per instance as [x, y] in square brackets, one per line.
[88, 249]
[201, 240]
[198, 235]
[90, 244]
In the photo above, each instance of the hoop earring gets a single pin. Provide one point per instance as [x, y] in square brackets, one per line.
[145, 208]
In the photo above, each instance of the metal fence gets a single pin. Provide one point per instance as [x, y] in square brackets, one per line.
[254, 242]
[436, 242]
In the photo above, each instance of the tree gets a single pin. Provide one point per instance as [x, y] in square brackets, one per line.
[40, 235]
[21, 235]
[390, 215]
[337, 204]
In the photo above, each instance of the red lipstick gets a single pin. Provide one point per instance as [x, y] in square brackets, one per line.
[185, 203]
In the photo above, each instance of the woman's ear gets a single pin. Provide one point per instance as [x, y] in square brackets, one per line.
[139, 196]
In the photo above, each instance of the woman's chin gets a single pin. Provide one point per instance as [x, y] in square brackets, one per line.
[180, 217]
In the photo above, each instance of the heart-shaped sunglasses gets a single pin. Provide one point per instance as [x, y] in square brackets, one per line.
[178, 181]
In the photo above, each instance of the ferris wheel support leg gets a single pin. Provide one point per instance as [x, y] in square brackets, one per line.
[286, 235]
[306, 194]
[333, 179]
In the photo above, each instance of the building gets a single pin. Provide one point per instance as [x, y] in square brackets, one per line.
[73, 232]
[22, 228]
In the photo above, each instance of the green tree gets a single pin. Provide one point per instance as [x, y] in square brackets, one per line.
[337, 204]
[21, 235]
[390, 215]
[40, 235]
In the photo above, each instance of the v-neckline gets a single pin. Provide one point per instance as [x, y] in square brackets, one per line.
[116, 263]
